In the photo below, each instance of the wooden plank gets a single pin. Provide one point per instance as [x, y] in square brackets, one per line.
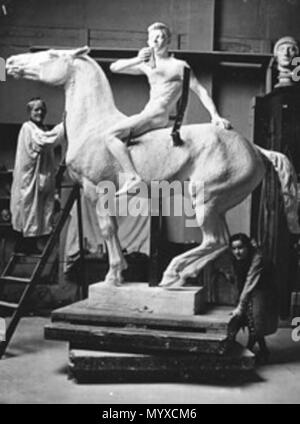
[27, 36]
[133, 297]
[121, 38]
[139, 340]
[244, 45]
[85, 365]
[216, 319]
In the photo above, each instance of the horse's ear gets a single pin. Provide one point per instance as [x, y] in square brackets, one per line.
[81, 51]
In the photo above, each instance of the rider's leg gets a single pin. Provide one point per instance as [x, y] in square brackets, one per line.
[121, 153]
[135, 124]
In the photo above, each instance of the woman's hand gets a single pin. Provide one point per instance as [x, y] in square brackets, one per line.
[48, 137]
[237, 312]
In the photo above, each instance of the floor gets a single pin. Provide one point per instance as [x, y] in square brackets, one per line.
[35, 371]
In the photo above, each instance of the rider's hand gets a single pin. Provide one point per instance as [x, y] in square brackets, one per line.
[221, 122]
[145, 54]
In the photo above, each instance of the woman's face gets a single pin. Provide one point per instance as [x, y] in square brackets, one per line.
[38, 113]
[239, 250]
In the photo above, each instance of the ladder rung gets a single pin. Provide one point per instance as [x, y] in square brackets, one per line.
[13, 279]
[8, 305]
[28, 255]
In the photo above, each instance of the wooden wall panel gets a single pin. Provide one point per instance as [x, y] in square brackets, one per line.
[256, 24]
[191, 19]
[48, 13]
[27, 36]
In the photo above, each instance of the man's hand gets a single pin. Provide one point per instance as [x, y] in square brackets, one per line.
[221, 122]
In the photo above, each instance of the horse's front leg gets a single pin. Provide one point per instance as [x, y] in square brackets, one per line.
[109, 230]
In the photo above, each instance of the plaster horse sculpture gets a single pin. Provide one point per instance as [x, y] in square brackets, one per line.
[229, 166]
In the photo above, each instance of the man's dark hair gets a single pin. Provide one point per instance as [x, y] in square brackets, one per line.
[243, 238]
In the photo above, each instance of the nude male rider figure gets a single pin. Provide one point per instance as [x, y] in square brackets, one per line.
[165, 75]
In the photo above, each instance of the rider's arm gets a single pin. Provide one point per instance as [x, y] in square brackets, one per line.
[207, 102]
[127, 66]
[132, 66]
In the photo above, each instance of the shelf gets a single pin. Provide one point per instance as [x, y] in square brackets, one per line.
[215, 58]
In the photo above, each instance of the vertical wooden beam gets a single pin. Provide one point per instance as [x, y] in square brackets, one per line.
[82, 277]
[156, 240]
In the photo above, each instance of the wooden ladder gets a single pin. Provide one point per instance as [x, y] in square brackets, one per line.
[41, 261]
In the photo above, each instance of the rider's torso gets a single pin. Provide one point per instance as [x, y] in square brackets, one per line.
[165, 83]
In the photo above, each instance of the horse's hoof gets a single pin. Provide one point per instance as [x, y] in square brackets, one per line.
[112, 282]
[171, 281]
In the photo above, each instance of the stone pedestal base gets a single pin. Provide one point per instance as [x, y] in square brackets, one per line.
[139, 297]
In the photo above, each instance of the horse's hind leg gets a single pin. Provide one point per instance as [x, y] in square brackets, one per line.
[214, 242]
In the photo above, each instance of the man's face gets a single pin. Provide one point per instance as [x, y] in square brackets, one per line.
[157, 39]
[285, 53]
[38, 113]
[239, 250]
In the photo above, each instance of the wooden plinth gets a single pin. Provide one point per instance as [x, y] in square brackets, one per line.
[215, 319]
[138, 340]
[139, 297]
[93, 366]
[109, 345]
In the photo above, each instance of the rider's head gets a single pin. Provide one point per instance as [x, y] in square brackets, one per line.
[159, 35]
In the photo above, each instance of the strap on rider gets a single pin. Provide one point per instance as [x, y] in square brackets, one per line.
[181, 107]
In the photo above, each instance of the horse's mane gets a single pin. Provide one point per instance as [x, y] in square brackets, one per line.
[97, 67]
[100, 78]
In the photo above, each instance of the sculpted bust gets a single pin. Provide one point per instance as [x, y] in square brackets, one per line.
[285, 50]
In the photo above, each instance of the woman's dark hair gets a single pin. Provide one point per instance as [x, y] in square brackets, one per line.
[243, 238]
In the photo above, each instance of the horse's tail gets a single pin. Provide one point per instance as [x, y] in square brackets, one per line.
[288, 182]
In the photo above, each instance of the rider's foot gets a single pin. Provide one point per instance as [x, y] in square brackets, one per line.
[129, 185]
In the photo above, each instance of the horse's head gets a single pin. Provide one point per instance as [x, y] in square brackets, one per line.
[51, 66]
